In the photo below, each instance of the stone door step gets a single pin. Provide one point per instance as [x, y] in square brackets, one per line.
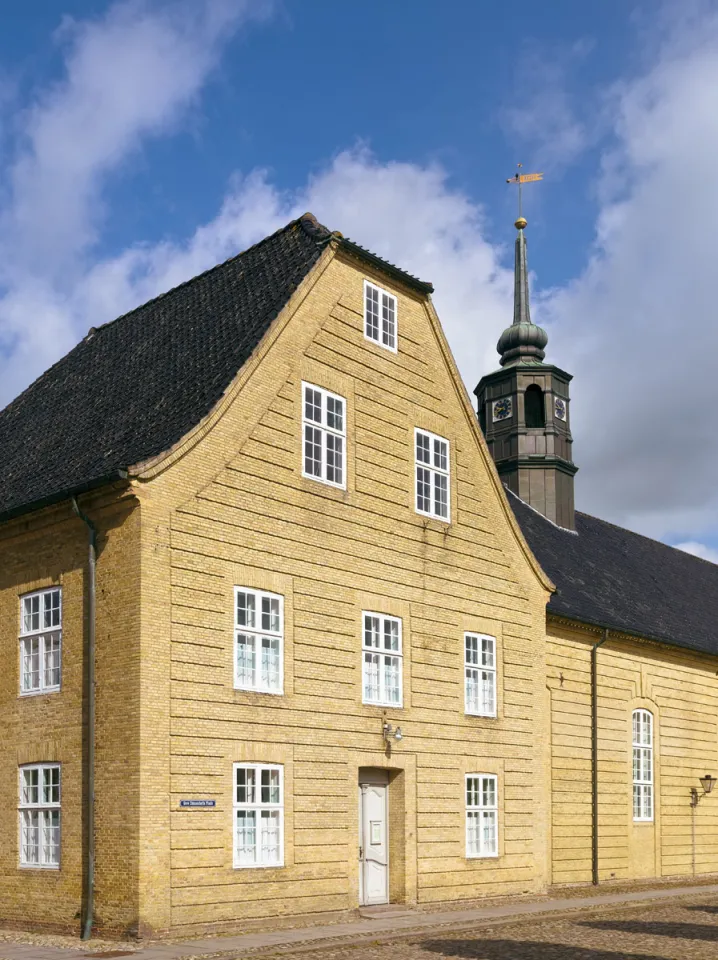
[385, 911]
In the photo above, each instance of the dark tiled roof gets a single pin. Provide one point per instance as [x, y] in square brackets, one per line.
[132, 388]
[614, 578]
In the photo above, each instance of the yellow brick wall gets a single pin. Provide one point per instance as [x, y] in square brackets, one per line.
[47, 549]
[235, 510]
[681, 690]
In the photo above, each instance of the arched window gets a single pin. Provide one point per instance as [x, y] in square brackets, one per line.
[642, 765]
[534, 407]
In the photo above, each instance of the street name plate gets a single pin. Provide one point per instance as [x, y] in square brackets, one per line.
[197, 804]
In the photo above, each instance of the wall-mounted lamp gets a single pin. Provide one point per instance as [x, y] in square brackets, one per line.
[389, 733]
[707, 783]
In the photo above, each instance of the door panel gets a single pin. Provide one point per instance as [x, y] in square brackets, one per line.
[374, 844]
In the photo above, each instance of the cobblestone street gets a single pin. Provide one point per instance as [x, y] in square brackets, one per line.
[685, 931]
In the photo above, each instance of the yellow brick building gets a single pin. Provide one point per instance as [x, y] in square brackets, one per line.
[261, 511]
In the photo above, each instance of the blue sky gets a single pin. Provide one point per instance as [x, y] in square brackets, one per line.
[140, 142]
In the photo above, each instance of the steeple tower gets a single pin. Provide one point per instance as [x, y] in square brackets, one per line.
[524, 410]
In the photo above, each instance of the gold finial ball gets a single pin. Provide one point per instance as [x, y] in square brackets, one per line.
[520, 223]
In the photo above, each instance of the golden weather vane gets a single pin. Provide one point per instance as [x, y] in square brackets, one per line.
[521, 178]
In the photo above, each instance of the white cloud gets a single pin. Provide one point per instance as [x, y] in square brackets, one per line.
[699, 550]
[638, 329]
[127, 76]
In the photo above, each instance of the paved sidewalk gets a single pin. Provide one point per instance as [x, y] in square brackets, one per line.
[394, 923]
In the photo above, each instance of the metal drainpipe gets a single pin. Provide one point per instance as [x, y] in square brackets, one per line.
[90, 874]
[594, 757]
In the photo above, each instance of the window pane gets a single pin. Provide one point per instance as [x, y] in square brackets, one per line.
[472, 833]
[31, 663]
[51, 837]
[388, 321]
[487, 691]
[31, 613]
[270, 614]
[472, 690]
[312, 451]
[487, 652]
[246, 780]
[246, 660]
[392, 679]
[371, 631]
[423, 489]
[312, 405]
[441, 496]
[335, 413]
[270, 786]
[270, 662]
[51, 603]
[31, 786]
[372, 312]
[422, 448]
[391, 634]
[488, 837]
[271, 837]
[472, 791]
[488, 792]
[472, 649]
[440, 457]
[246, 836]
[335, 458]
[30, 839]
[51, 785]
[371, 677]
[52, 660]
[246, 610]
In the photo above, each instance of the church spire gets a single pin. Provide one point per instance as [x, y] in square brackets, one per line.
[522, 342]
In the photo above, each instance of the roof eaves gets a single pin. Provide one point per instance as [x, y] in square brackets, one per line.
[351, 247]
[14, 512]
[632, 634]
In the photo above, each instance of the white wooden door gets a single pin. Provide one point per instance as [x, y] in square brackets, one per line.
[373, 844]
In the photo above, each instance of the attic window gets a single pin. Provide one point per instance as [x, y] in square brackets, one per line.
[379, 316]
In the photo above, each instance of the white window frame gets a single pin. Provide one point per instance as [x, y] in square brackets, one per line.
[480, 674]
[385, 337]
[643, 766]
[328, 435]
[258, 807]
[381, 654]
[258, 634]
[482, 813]
[42, 637]
[435, 471]
[43, 808]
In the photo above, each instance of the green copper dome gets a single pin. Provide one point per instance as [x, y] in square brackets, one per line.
[523, 341]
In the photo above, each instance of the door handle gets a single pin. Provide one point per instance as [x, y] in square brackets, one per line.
[361, 853]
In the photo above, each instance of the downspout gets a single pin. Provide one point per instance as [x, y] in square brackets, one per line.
[594, 757]
[90, 865]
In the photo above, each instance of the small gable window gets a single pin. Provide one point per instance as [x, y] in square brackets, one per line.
[324, 427]
[534, 407]
[379, 316]
[432, 475]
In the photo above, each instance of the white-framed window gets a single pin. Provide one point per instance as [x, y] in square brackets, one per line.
[482, 815]
[324, 431]
[381, 660]
[480, 674]
[380, 316]
[642, 765]
[40, 641]
[432, 475]
[39, 810]
[258, 815]
[259, 640]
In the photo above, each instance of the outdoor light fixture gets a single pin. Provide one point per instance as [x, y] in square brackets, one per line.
[389, 733]
[707, 782]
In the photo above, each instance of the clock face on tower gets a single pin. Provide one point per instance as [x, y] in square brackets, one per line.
[559, 407]
[503, 409]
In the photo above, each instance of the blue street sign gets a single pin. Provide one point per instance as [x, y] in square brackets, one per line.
[198, 803]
